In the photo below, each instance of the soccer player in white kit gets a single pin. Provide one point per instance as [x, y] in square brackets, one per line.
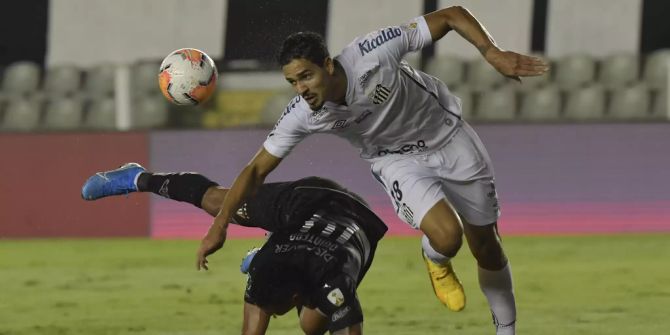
[408, 125]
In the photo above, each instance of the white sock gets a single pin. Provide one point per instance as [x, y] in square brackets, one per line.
[497, 287]
[431, 253]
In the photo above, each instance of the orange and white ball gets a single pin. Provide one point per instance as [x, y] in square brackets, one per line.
[187, 77]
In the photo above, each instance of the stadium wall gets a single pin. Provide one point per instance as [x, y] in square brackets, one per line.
[567, 179]
[576, 26]
[40, 183]
[126, 31]
[509, 21]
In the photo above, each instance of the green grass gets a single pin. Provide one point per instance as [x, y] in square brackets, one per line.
[564, 285]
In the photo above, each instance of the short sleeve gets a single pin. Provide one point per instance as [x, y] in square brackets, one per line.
[417, 34]
[395, 41]
[290, 129]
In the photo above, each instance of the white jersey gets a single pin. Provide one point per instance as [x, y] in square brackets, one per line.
[390, 107]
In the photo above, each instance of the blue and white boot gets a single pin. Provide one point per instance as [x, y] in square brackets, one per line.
[246, 261]
[114, 182]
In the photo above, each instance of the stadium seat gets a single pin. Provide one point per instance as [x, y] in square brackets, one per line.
[275, 106]
[467, 100]
[101, 114]
[630, 103]
[497, 105]
[145, 78]
[150, 112]
[61, 81]
[575, 71]
[618, 71]
[587, 103]
[481, 76]
[63, 114]
[451, 70]
[99, 82]
[656, 69]
[542, 104]
[22, 114]
[21, 78]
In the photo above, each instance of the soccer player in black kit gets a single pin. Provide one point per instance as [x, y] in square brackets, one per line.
[322, 239]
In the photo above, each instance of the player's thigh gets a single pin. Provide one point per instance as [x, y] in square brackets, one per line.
[475, 201]
[413, 188]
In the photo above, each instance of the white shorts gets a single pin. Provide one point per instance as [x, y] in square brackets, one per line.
[460, 172]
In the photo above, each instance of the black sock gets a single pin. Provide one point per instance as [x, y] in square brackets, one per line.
[184, 186]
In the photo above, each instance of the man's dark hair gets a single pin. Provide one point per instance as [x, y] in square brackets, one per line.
[308, 45]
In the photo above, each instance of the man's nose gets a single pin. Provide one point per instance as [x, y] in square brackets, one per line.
[301, 88]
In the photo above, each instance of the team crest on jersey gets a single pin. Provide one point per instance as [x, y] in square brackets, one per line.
[380, 95]
[336, 297]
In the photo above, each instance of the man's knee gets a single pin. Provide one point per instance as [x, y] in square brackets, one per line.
[443, 228]
[446, 242]
[486, 246]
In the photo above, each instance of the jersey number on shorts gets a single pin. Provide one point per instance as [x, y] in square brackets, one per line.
[401, 207]
[396, 192]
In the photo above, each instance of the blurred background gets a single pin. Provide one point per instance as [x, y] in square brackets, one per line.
[581, 149]
[78, 94]
[581, 152]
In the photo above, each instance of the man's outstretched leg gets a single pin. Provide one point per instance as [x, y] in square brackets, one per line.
[193, 188]
[442, 240]
[495, 275]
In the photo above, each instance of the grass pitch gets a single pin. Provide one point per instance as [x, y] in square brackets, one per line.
[564, 285]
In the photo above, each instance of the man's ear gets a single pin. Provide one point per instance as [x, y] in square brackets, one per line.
[329, 65]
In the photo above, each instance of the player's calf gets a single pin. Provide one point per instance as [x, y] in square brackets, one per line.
[188, 187]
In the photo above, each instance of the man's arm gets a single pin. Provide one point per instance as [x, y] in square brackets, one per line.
[246, 184]
[508, 63]
[256, 320]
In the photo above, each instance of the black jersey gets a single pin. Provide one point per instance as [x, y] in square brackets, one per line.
[287, 205]
[322, 242]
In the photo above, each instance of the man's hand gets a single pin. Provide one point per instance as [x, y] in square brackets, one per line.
[212, 242]
[514, 65]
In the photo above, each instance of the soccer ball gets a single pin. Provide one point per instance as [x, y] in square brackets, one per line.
[187, 77]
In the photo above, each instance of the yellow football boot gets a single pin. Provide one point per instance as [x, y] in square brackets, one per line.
[446, 285]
